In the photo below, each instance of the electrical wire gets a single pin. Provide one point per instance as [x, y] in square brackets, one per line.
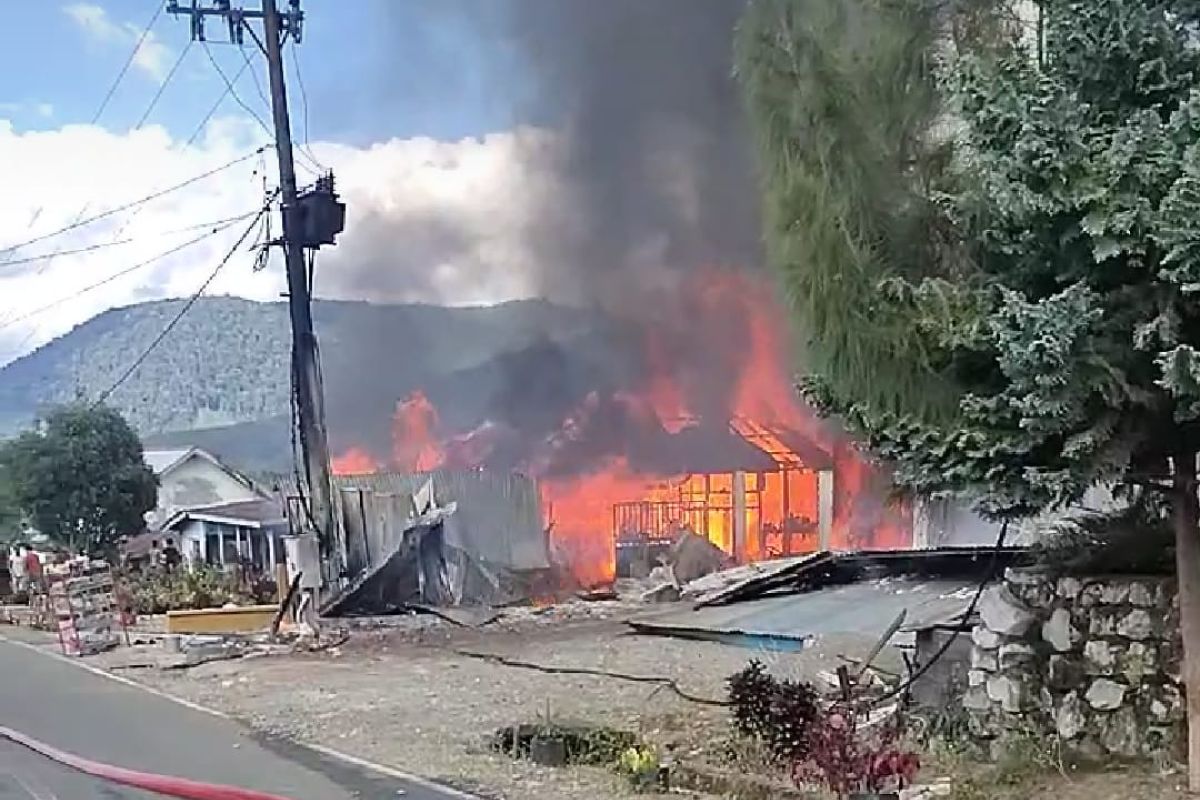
[313, 166]
[307, 150]
[218, 228]
[233, 92]
[79, 223]
[162, 87]
[959, 629]
[108, 96]
[661, 682]
[77, 251]
[116, 242]
[191, 139]
[137, 46]
[170, 326]
[186, 143]
[199, 129]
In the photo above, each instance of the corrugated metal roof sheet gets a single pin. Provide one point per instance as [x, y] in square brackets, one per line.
[788, 620]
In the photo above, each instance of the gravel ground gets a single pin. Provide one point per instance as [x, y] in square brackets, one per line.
[404, 697]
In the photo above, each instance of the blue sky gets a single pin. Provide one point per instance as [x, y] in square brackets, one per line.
[412, 102]
[373, 69]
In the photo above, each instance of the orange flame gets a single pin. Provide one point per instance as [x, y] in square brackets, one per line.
[415, 445]
[354, 461]
[751, 514]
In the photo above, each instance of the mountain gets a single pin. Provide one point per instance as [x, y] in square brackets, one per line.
[221, 376]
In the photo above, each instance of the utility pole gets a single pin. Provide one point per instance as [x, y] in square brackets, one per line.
[310, 401]
[310, 220]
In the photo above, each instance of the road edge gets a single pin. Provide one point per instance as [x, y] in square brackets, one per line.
[318, 749]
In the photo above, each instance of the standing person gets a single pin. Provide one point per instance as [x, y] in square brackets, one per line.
[39, 600]
[33, 565]
[33, 573]
[16, 569]
[170, 556]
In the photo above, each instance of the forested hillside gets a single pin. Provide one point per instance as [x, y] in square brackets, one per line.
[226, 362]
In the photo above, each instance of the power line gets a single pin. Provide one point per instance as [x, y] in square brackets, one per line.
[213, 110]
[313, 166]
[108, 96]
[118, 242]
[163, 86]
[304, 105]
[77, 251]
[112, 90]
[79, 223]
[233, 92]
[127, 270]
[137, 362]
[185, 144]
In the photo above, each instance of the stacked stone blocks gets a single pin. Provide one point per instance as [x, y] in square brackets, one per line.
[1092, 661]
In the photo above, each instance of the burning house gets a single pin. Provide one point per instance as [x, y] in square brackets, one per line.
[704, 433]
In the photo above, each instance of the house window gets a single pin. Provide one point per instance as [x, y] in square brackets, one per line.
[212, 548]
[231, 547]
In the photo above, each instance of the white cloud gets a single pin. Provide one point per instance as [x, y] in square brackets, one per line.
[427, 220]
[43, 110]
[152, 56]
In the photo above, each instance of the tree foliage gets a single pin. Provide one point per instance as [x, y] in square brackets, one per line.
[1071, 193]
[847, 112]
[81, 479]
[10, 512]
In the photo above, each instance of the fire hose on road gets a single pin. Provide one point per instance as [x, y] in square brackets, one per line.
[163, 784]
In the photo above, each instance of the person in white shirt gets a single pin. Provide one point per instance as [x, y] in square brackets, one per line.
[16, 569]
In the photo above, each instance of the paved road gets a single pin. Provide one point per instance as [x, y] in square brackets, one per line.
[103, 720]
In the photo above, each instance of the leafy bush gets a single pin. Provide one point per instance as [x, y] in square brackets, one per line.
[777, 712]
[847, 756]
[750, 695]
[831, 746]
[156, 591]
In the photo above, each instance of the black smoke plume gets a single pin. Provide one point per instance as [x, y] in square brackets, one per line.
[657, 169]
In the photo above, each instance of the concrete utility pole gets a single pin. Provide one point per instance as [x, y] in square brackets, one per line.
[309, 221]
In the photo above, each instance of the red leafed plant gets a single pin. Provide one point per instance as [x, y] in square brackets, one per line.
[849, 757]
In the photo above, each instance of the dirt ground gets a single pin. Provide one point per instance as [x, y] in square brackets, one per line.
[412, 698]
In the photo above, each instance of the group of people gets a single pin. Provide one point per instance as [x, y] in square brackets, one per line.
[24, 569]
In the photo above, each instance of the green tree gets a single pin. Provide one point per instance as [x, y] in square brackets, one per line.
[81, 479]
[10, 511]
[1071, 342]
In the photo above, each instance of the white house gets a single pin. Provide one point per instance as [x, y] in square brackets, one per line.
[951, 522]
[190, 478]
[216, 515]
[245, 532]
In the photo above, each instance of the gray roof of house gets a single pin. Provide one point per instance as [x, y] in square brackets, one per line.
[258, 512]
[161, 460]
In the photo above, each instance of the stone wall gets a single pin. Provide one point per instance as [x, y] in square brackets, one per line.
[1094, 661]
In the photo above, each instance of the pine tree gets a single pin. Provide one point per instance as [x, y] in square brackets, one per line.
[1071, 200]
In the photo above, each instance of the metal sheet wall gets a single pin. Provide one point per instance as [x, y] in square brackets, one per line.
[498, 519]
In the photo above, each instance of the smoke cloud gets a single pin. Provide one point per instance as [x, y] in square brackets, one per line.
[633, 175]
[656, 167]
[652, 173]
